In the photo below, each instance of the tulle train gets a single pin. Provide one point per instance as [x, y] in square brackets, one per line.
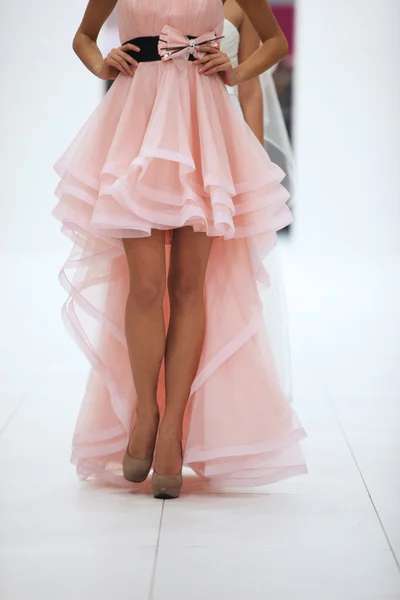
[160, 155]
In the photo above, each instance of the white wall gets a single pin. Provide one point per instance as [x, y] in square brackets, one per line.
[348, 127]
[348, 136]
[46, 96]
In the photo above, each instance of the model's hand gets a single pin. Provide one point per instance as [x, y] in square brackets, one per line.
[118, 61]
[216, 61]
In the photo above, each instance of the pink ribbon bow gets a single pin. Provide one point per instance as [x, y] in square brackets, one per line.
[176, 45]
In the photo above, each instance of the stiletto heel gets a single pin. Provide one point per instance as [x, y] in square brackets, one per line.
[136, 470]
[166, 487]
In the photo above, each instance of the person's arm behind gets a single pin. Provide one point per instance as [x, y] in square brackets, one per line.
[250, 92]
[273, 46]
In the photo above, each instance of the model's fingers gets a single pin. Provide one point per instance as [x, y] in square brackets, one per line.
[130, 47]
[213, 63]
[209, 49]
[128, 58]
[207, 58]
[217, 69]
[122, 62]
[113, 63]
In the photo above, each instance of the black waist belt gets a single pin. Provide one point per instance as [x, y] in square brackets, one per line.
[149, 48]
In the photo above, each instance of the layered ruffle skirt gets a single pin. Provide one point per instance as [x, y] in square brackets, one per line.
[167, 149]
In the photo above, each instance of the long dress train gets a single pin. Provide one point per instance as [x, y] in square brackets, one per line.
[276, 137]
[163, 150]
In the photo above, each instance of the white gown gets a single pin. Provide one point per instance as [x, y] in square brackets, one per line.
[276, 137]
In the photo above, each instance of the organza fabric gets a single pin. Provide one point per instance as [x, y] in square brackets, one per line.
[163, 150]
[275, 133]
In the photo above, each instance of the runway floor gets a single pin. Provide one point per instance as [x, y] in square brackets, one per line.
[331, 535]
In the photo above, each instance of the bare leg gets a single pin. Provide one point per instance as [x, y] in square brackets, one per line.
[145, 334]
[189, 257]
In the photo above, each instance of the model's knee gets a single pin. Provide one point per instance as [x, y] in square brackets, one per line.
[146, 295]
[185, 290]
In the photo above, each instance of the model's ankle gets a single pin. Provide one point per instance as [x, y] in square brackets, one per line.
[172, 425]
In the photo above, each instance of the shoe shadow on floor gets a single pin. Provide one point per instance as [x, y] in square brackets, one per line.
[192, 485]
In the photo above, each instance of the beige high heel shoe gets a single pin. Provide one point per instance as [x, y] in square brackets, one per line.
[167, 487]
[136, 470]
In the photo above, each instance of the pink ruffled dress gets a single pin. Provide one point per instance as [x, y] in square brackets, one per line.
[167, 149]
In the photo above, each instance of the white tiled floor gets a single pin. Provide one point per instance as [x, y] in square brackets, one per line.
[334, 534]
